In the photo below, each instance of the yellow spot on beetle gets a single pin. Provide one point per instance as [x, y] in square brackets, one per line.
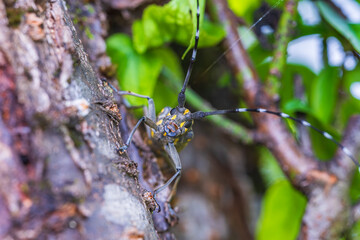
[182, 124]
[173, 117]
[162, 110]
[152, 133]
[168, 114]
[186, 111]
[164, 134]
[159, 122]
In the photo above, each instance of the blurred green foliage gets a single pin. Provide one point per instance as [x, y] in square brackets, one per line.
[141, 59]
[145, 61]
[281, 214]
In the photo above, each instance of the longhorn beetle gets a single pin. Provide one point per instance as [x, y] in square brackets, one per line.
[172, 128]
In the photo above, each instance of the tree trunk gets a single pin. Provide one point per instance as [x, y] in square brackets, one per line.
[61, 176]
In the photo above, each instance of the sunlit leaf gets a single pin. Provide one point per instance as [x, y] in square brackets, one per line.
[139, 72]
[136, 72]
[287, 93]
[163, 95]
[269, 167]
[243, 8]
[173, 22]
[324, 94]
[350, 105]
[296, 105]
[211, 34]
[355, 231]
[349, 31]
[281, 213]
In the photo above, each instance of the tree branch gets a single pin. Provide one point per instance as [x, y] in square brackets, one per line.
[328, 208]
[342, 166]
[271, 131]
[283, 35]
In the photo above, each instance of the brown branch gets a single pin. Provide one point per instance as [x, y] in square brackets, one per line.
[271, 131]
[328, 209]
[328, 212]
[283, 35]
[342, 166]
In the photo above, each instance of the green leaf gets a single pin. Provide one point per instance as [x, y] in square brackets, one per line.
[296, 105]
[351, 105]
[354, 189]
[321, 92]
[324, 149]
[355, 231]
[172, 22]
[248, 38]
[349, 31]
[281, 213]
[152, 30]
[351, 77]
[287, 83]
[224, 80]
[161, 24]
[324, 94]
[355, 196]
[139, 72]
[269, 167]
[322, 101]
[211, 34]
[245, 8]
[163, 95]
[136, 72]
[194, 24]
[242, 7]
[118, 46]
[261, 60]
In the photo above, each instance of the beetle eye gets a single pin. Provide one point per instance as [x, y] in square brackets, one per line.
[188, 124]
[172, 111]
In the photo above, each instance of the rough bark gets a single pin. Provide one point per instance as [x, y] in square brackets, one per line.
[61, 176]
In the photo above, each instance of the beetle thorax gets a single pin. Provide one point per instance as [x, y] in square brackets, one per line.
[173, 126]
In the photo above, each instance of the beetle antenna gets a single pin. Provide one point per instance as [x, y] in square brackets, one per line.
[181, 96]
[200, 114]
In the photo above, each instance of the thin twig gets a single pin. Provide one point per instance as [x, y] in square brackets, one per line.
[283, 35]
